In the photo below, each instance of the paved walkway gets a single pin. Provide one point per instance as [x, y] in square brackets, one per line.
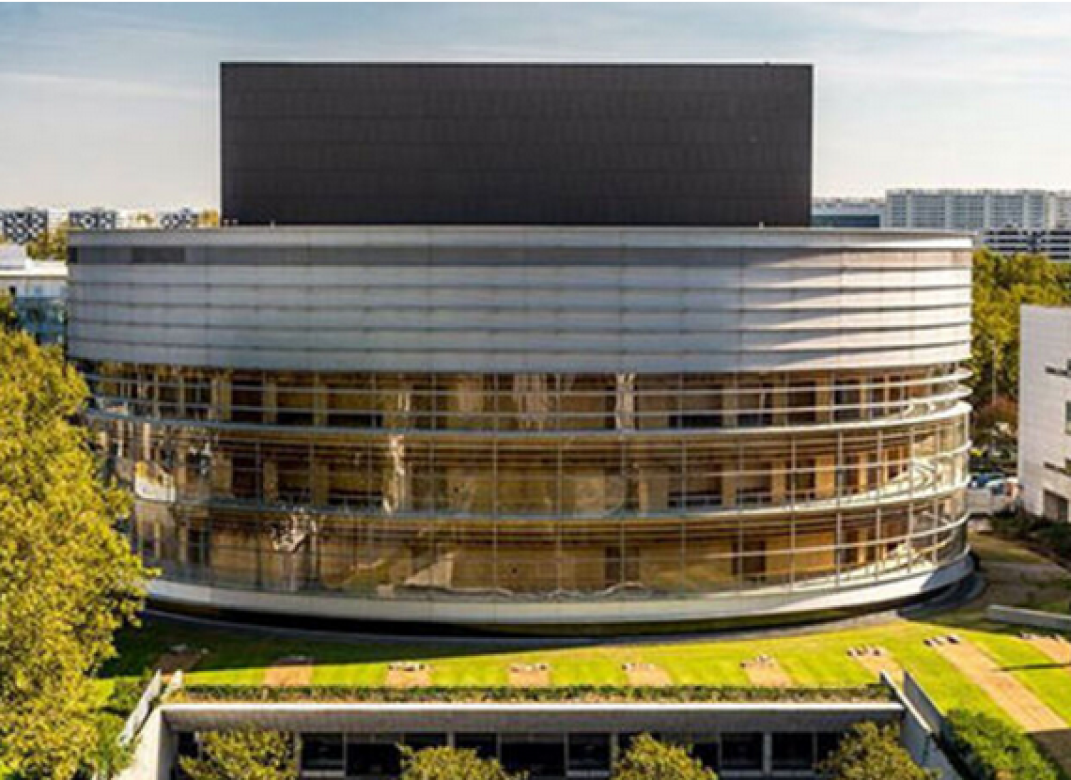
[879, 660]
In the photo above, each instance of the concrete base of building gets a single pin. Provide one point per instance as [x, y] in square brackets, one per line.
[733, 610]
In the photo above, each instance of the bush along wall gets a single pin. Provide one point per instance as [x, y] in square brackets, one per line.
[993, 750]
[580, 693]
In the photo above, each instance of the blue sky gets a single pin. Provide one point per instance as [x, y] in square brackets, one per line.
[117, 104]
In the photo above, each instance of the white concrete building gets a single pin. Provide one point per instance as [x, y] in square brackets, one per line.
[1045, 411]
[39, 292]
[565, 740]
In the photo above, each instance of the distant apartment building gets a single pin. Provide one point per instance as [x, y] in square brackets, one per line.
[21, 226]
[93, 219]
[1055, 243]
[39, 292]
[1045, 412]
[847, 212]
[1060, 209]
[968, 210]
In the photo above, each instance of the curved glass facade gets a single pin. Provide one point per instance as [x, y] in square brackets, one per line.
[548, 426]
[537, 486]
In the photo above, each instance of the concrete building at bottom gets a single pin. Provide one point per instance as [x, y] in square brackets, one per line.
[547, 740]
[1045, 411]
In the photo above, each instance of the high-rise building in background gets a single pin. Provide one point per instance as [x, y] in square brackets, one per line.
[976, 211]
[1006, 221]
[595, 391]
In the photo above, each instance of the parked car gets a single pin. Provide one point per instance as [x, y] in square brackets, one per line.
[992, 494]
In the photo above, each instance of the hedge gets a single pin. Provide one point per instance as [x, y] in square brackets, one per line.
[993, 750]
[669, 694]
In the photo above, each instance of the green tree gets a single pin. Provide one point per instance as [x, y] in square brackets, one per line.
[209, 218]
[444, 763]
[1001, 285]
[9, 318]
[108, 758]
[872, 752]
[50, 245]
[67, 579]
[245, 754]
[649, 759]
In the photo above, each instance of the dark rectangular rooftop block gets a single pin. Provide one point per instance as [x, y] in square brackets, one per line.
[495, 144]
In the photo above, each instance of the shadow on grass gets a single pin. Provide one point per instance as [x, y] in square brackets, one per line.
[240, 648]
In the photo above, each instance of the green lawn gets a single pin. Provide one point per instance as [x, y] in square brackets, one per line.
[813, 659]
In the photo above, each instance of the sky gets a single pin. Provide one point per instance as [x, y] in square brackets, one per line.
[118, 104]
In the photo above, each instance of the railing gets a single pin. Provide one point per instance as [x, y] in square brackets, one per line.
[142, 710]
[154, 691]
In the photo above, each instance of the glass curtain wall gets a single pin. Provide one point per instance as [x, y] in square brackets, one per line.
[537, 487]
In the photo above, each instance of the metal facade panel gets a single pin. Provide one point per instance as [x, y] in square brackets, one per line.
[692, 309]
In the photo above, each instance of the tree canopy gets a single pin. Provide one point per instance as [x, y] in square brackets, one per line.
[1001, 285]
[245, 754]
[872, 752]
[50, 245]
[9, 317]
[445, 763]
[68, 579]
[649, 759]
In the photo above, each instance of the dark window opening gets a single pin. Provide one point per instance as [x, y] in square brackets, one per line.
[323, 752]
[707, 753]
[540, 757]
[696, 420]
[827, 742]
[589, 755]
[373, 761]
[741, 752]
[485, 745]
[793, 751]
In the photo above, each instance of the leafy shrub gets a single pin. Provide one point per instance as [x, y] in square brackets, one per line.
[1056, 537]
[126, 693]
[1013, 526]
[445, 763]
[872, 752]
[244, 754]
[995, 751]
[649, 759]
[108, 758]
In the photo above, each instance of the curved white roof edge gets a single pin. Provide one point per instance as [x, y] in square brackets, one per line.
[531, 236]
